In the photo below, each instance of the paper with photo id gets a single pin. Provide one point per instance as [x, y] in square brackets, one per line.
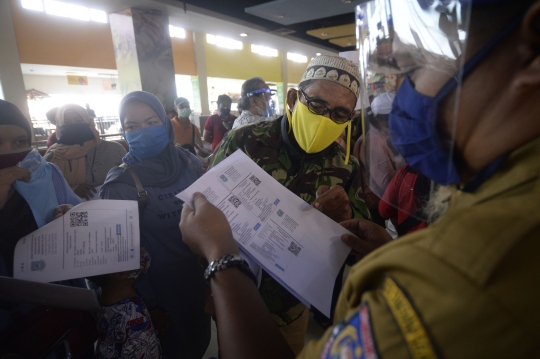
[298, 245]
[93, 238]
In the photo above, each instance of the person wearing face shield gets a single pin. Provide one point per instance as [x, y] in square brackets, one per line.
[382, 158]
[466, 115]
[299, 151]
[255, 103]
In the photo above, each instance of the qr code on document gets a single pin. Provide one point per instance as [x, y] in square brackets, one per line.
[235, 201]
[78, 219]
[255, 180]
[294, 248]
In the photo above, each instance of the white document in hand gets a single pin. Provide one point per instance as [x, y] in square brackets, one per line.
[298, 245]
[93, 238]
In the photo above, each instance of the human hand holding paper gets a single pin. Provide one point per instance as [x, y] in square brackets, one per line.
[333, 202]
[368, 236]
[209, 239]
[61, 210]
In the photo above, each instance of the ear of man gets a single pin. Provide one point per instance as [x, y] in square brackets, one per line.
[292, 96]
[527, 78]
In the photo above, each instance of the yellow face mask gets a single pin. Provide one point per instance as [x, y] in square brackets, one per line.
[315, 133]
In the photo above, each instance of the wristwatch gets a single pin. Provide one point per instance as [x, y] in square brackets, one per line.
[228, 261]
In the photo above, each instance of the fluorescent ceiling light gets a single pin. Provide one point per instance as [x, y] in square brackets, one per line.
[243, 34]
[224, 42]
[98, 15]
[36, 5]
[265, 51]
[67, 10]
[296, 57]
[176, 31]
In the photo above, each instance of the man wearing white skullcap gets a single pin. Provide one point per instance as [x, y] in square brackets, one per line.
[299, 151]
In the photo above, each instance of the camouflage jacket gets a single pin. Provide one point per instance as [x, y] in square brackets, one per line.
[267, 144]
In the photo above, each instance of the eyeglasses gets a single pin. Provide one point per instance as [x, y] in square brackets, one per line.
[319, 108]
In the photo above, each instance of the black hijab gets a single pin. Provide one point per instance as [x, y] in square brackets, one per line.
[16, 218]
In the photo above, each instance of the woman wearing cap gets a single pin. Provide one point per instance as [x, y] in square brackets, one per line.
[81, 155]
[256, 103]
[174, 288]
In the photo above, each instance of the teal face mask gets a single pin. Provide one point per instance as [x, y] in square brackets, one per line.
[185, 112]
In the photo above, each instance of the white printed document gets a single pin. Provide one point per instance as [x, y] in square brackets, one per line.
[93, 238]
[295, 243]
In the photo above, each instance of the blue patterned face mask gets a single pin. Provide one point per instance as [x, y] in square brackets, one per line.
[147, 142]
[39, 192]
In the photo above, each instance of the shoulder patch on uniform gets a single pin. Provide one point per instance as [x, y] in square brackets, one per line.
[352, 338]
[408, 320]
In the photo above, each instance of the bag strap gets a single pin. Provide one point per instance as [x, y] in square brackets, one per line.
[408, 224]
[193, 134]
[142, 194]
[193, 167]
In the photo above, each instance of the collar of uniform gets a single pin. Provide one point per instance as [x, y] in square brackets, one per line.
[521, 166]
[484, 175]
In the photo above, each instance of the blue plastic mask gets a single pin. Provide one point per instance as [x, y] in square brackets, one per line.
[39, 192]
[147, 142]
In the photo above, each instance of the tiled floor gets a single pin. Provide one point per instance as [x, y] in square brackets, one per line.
[212, 350]
[314, 332]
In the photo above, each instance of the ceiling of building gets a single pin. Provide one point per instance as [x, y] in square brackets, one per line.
[322, 23]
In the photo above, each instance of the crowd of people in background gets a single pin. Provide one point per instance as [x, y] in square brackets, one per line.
[462, 277]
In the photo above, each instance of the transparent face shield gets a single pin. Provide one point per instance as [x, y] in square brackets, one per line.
[411, 54]
[265, 94]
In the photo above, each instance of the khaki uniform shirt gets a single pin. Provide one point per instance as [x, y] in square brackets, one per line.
[466, 287]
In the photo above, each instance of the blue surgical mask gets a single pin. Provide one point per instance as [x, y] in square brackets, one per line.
[39, 192]
[147, 142]
[414, 116]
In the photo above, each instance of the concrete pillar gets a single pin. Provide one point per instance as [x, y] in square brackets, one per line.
[199, 40]
[11, 79]
[285, 79]
[143, 51]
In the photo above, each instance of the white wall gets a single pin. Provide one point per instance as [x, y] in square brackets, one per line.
[59, 85]
[103, 102]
